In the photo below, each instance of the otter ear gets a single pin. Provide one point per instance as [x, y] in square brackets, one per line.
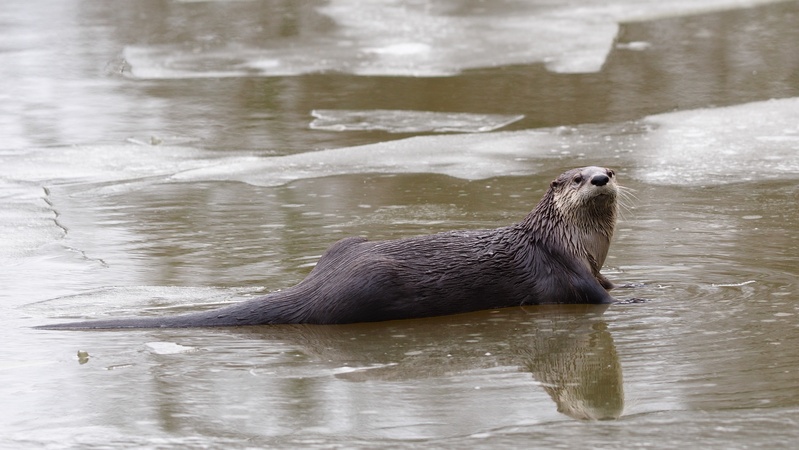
[554, 184]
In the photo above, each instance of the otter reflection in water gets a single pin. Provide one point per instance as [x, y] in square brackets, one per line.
[566, 348]
[552, 256]
[579, 370]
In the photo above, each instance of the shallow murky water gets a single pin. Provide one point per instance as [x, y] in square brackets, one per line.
[165, 157]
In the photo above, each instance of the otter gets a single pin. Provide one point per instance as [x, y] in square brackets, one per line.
[552, 256]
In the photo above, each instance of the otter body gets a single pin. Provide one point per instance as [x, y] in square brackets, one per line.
[552, 256]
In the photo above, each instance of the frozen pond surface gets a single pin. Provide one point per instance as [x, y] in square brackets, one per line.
[161, 158]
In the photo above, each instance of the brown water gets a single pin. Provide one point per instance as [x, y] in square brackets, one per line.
[158, 157]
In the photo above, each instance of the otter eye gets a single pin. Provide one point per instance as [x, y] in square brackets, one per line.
[610, 173]
[578, 179]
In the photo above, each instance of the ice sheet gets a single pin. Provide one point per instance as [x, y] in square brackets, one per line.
[423, 38]
[755, 141]
[398, 121]
[168, 348]
[27, 221]
[715, 145]
[36, 240]
[30, 249]
[467, 156]
[99, 163]
[707, 146]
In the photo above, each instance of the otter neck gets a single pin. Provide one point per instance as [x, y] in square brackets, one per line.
[584, 232]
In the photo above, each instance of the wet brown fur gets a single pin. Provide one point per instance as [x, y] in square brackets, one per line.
[554, 255]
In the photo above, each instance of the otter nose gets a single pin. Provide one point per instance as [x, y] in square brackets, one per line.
[599, 180]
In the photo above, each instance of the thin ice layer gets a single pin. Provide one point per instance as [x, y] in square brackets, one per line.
[418, 39]
[708, 146]
[749, 142]
[716, 145]
[467, 156]
[399, 121]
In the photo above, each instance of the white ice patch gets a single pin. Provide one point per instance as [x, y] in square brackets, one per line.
[98, 164]
[30, 228]
[750, 142]
[168, 348]
[399, 121]
[425, 39]
[467, 156]
[27, 221]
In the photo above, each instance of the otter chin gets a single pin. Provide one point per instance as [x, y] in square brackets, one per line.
[553, 255]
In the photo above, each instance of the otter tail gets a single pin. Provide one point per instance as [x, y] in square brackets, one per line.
[271, 309]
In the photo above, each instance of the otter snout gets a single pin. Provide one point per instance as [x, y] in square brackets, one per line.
[600, 180]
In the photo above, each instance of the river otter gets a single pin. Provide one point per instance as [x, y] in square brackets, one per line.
[552, 256]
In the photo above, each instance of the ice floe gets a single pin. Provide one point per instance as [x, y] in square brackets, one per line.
[420, 39]
[399, 121]
[750, 142]
[467, 156]
[707, 146]
[168, 348]
[746, 142]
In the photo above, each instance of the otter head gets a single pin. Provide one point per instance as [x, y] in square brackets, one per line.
[587, 196]
[585, 200]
